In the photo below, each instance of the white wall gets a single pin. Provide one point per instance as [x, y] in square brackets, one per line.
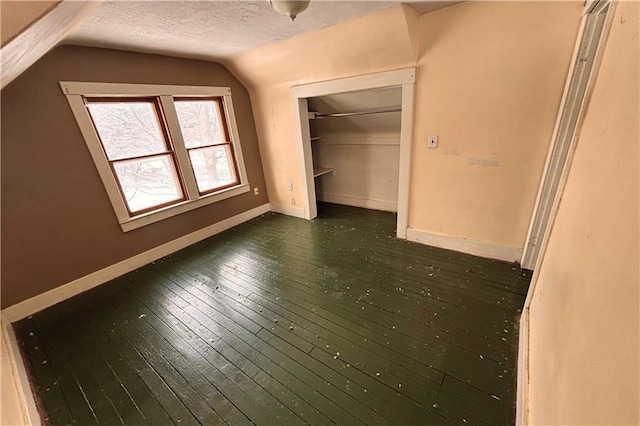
[584, 314]
[366, 170]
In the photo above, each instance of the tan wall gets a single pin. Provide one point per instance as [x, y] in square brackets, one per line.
[489, 82]
[344, 50]
[57, 222]
[15, 16]
[584, 323]
[490, 79]
[12, 411]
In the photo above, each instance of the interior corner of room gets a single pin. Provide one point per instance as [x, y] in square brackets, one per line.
[504, 132]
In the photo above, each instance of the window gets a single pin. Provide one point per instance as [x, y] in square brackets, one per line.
[208, 143]
[138, 150]
[160, 150]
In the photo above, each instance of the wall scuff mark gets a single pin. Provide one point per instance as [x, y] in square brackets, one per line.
[483, 162]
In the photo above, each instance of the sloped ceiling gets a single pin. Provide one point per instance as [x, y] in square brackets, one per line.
[40, 36]
[16, 16]
[205, 29]
[213, 29]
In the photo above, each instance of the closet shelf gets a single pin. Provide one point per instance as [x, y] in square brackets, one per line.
[316, 138]
[319, 171]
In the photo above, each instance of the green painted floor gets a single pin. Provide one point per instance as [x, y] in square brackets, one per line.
[282, 321]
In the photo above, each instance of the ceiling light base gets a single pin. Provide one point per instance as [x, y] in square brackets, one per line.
[290, 8]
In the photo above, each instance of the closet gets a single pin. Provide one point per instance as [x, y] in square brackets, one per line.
[355, 145]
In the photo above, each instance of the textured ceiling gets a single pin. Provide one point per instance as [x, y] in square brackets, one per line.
[213, 29]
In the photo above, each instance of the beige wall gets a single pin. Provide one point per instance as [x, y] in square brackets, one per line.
[10, 407]
[584, 323]
[489, 82]
[15, 16]
[348, 49]
[490, 79]
[57, 222]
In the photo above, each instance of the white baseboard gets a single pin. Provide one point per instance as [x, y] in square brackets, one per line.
[288, 210]
[351, 200]
[17, 396]
[522, 390]
[63, 292]
[464, 245]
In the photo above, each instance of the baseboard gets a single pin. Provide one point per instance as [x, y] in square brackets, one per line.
[16, 377]
[350, 200]
[522, 374]
[63, 292]
[288, 210]
[464, 245]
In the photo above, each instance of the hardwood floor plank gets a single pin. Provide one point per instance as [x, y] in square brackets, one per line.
[243, 401]
[156, 381]
[262, 370]
[52, 383]
[282, 321]
[428, 354]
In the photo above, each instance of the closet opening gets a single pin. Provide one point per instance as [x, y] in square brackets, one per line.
[355, 147]
[355, 142]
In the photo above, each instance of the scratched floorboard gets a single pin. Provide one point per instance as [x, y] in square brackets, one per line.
[282, 321]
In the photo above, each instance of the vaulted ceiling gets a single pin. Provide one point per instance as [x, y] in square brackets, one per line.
[212, 29]
[205, 29]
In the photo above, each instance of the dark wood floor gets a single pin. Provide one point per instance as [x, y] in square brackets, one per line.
[285, 321]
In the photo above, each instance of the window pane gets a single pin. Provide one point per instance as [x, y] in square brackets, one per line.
[127, 129]
[200, 122]
[148, 182]
[213, 167]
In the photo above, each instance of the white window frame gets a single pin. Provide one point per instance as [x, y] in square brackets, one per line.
[76, 91]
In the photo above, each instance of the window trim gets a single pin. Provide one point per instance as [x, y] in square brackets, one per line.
[222, 116]
[75, 91]
[168, 152]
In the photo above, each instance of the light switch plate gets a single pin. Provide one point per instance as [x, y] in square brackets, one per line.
[432, 142]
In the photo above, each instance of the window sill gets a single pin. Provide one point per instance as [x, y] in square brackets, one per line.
[185, 206]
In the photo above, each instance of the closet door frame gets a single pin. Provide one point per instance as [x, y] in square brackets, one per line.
[586, 58]
[404, 78]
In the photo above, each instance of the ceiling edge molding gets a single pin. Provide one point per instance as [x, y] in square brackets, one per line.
[36, 40]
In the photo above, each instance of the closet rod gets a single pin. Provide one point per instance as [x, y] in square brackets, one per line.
[347, 114]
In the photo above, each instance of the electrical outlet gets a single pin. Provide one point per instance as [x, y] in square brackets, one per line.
[293, 201]
[432, 142]
[256, 191]
[290, 186]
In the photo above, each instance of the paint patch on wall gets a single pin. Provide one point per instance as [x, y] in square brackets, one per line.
[483, 162]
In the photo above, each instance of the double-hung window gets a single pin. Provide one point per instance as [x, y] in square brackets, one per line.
[160, 150]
